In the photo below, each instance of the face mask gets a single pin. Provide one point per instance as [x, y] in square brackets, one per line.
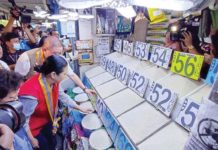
[17, 46]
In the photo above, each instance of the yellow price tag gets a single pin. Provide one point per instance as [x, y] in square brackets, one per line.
[188, 65]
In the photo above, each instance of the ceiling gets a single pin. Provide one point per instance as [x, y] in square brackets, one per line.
[30, 4]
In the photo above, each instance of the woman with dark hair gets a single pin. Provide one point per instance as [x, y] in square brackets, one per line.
[40, 96]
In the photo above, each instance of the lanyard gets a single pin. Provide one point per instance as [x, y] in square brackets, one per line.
[39, 57]
[14, 59]
[47, 91]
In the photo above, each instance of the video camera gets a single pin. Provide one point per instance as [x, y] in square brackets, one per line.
[21, 11]
[188, 24]
[11, 114]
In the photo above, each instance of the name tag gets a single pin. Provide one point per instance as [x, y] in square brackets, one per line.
[188, 65]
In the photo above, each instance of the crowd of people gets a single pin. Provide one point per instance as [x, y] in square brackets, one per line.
[207, 48]
[31, 69]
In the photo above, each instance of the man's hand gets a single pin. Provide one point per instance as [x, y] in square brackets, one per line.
[87, 110]
[6, 137]
[90, 91]
[15, 13]
[34, 143]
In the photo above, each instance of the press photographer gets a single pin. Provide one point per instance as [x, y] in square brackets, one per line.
[11, 109]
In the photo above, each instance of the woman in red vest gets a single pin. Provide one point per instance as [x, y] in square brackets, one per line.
[39, 96]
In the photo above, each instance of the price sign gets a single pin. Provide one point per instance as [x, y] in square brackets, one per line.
[142, 50]
[103, 61]
[162, 98]
[110, 124]
[138, 83]
[122, 73]
[84, 44]
[127, 48]
[122, 142]
[111, 67]
[188, 113]
[212, 72]
[118, 45]
[100, 107]
[161, 56]
[188, 65]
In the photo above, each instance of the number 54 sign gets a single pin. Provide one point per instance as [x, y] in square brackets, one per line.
[186, 64]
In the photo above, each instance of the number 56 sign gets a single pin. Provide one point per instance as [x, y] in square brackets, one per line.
[186, 64]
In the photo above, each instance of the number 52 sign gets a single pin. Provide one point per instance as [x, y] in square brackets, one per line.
[186, 64]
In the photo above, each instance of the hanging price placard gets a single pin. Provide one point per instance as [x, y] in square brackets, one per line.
[188, 113]
[142, 50]
[138, 83]
[122, 142]
[161, 56]
[111, 67]
[127, 48]
[103, 61]
[188, 65]
[110, 124]
[118, 45]
[122, 73]
[162, 98]
[212, 72]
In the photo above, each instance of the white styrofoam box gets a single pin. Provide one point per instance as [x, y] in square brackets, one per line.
[142, 121]
[122, 101]
[171, 137]
[180, 85]
[94, 71]
[109, 88]
[101, 78]
[198, 95]
[156, 73]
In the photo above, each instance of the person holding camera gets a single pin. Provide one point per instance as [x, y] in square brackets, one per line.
[40, 95]
[11, 49]
[15, 119]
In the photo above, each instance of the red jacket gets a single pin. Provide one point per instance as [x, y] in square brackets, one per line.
[41, 116]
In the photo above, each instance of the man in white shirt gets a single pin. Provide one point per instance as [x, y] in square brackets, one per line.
[30, 59]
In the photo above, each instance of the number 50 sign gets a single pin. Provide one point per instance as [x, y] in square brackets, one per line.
[186, 64]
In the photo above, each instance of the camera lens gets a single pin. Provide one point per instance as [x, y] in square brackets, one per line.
[11, 114]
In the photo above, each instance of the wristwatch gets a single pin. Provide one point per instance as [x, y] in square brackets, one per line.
[191, 47]
[84, 89]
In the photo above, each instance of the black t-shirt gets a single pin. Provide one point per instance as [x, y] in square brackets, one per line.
[11, 58]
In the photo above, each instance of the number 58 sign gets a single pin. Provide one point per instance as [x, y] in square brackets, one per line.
[186, 64]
